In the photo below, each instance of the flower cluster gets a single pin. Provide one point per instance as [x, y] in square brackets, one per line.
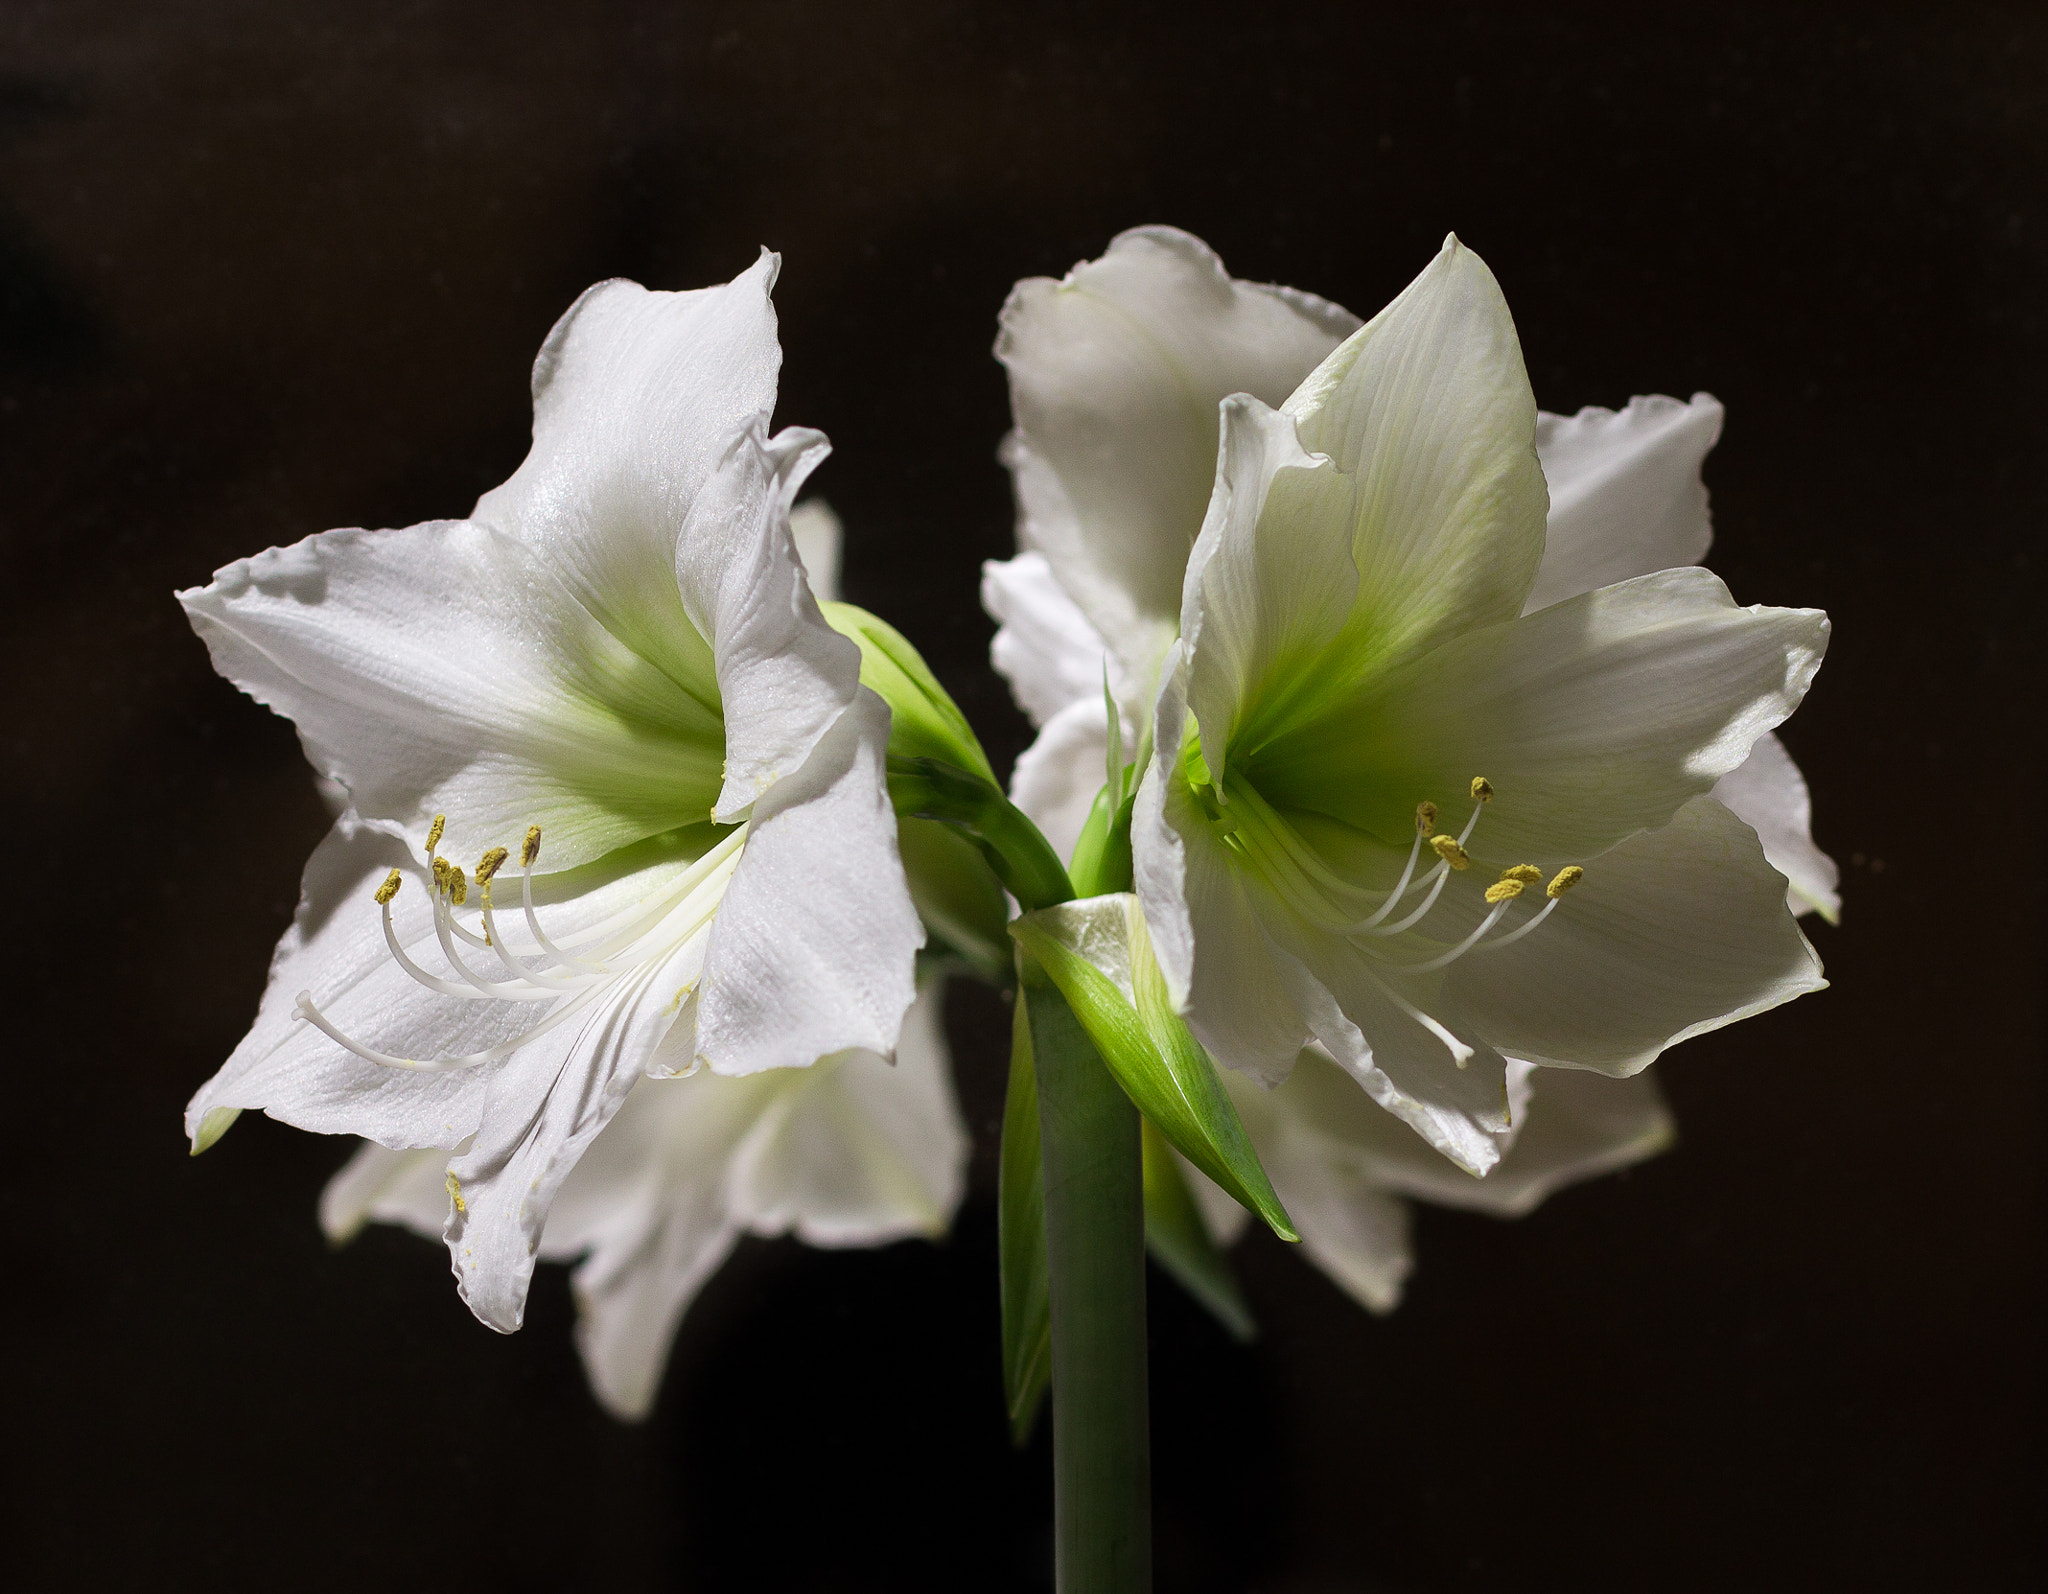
[1454, 799]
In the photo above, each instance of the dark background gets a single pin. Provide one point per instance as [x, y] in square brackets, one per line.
[269, 269]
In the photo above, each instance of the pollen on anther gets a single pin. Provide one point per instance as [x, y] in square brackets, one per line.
[1505, 889]
[1567, 877]
[389, 888]
[489, 864]
[1527, 873]
[529, 849]
[1425, 818]
[1447, 848]
[458, 884]
[1482, 789]
[440, 867]
[434, 831]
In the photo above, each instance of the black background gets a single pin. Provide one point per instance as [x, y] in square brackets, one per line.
[270, 268]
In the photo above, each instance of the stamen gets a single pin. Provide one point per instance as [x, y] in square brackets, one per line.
[1567, 877]
[444, 919]
[1504, 890]
[1527, 873]
[637, 937]
[434, 831]
[434, 982]
[318, 1020]
[1452, 852]
[1519, 930]
[1425, 818]
[529, 849]
[1444, 960]
[1482, 789]
[1461, 1054]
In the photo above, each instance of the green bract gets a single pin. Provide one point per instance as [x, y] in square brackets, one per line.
[1098, 953]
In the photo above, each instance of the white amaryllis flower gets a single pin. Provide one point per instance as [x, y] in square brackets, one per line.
[1348, 633]
[613, 680]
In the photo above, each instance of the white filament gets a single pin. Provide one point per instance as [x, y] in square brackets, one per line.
[617, 948]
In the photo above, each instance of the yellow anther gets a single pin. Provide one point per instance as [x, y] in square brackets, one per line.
[434, 831]
[458, 884]
[1482, 789]
[389, 888]
[1505, 889]
[455, 1193]
[489, 864]
[1567, 877]
[1527, 873]
[529, 849]
[1447, 848]
[1425, 818]
[441, 866]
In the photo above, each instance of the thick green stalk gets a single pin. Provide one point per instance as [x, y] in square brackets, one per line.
[1095, 1244]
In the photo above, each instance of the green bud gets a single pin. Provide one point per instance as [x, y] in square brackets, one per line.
[925, 721]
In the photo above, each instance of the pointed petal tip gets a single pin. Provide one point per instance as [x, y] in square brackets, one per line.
[216, 1122]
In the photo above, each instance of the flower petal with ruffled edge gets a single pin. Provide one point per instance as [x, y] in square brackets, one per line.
[1115, 375]
[1626, 500]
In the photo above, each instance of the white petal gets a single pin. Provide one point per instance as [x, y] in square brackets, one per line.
[1243, 997]
[1436, 1076]
[385, 1186]
[1271, 582]
[636, 397]
[862, 1151]
[1058, 775]
[445, 669]
[784, 675]
[1593, 719]
[335, 949]
[1626, 497]
[1115, 375]
[1350, 1226]
[627, 1317]
[1044, 646]
[1428, 409]
[819, 542]
[646, 1210]
[546, 1104]
[1767, 793]
[1570, 1126]
[813, 949]
[1673, 933]
[1579, 1126]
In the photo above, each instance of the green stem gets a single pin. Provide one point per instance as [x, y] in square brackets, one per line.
[1095, 1245]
